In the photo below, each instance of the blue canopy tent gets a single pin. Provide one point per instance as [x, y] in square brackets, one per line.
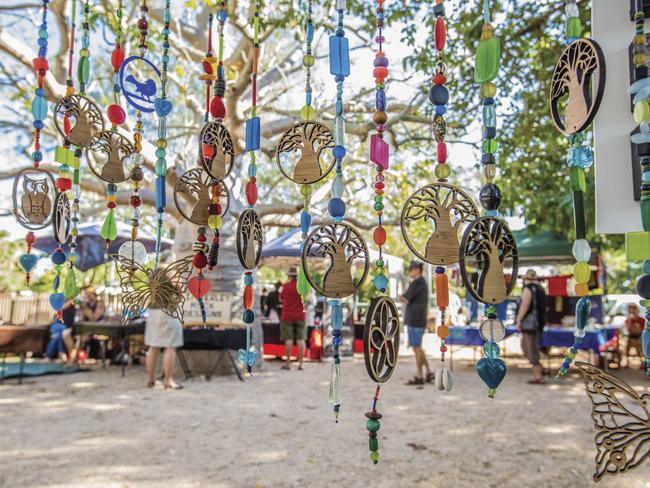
[90, 245]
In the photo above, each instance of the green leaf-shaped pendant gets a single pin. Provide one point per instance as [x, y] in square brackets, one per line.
[109, 228]
[488, 60]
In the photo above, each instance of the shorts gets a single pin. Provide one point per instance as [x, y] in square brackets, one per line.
[415, 335]
[292, 330]
[530, 346]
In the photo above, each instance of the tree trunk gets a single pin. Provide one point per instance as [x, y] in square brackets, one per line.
[442, 246]
[577, 109]
[307, 168]
[492, 283]
[338, 278]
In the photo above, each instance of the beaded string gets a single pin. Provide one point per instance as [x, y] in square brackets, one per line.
[162, 112]
[579, 158]
[252, 145]
[339, 58]
[637, 242]
[379, 155]
[39, 111]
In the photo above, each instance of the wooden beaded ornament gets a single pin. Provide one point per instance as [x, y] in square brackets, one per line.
[583, 66]
[488, 247]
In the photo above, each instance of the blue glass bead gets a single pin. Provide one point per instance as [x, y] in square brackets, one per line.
[340, 32]
[222, 15]
[583, 307]
[160, 152]
[252, 170]
[57, 300]
[489, 116]
[439, 10]
[566, 364]
[38, 124]
[165, 58]
[56, 282]
[441, 110]
[248, 280]
[39, 108]
[161, 193]
[39, 92]
[339, 108]
[645, 341]
[339, 55]
[489, 132]
[310, 31]
[488, 101]
[573, 350]
[492, 213]
[440, 269]
[338, 152]
[438, 95]
[380, 100]
[336, 314]
[58, 257]
[491, 349]
[308, 98]
[42, 42]
[305, 221]
[380, 282]
[253, 134]
[336, 207]
[338, 187]
[580, 156]
[37, 156]
[336, 341]
[248, 316]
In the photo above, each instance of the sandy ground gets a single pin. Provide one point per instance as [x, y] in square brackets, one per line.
[276, 430]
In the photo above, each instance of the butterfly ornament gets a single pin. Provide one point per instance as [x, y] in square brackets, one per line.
[621, 420]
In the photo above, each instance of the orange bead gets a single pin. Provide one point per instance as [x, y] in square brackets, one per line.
[443, 331]
[380, 72]
[582, 289]
[249, 297]
[442, 290]
[379, 236]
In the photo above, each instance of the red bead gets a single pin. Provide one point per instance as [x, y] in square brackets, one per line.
[379, 236]
[251, 192]
[111, 204]
[116, 114]
[442, 152]
[200, 260]
[208, 150]
[214, 209]
[380, 185]
[199, 286]
[207, 67]
[117, 58]
[443, 348]
[217, 108]
[30, 238]
[40, 64]
[143, 25]
[380, 72]
[135, 200]
[201, 238]
[439, 79]
[67, 125]
[440, 33]
[63, 184]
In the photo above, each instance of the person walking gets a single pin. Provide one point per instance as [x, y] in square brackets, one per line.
[531, 318]
[416, 298]
[292, 319]
[273, 303]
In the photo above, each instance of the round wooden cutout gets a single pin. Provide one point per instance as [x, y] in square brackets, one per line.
[579, 73]
[216, 150]
[107, 154]
[32, 196]
[61, 218]
[432, 220]
[381, 339]
[192, 195]
[250, 237]
[85, 119]
[487, 252]
[298, 154]
[339, 247]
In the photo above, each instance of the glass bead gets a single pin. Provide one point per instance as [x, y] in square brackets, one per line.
[339, 58]
[379, 151]
[374, 457]
[581, 250]
[488, 90]
[489, 171]
[308, 60]
[580, 156]
[572, 10]
[579, 334]
[161, 167]
[490, 146]
[641, 110]
[582, 272]
[339, 130]
[646, 267]
[489, 116]
[338, 187]
[373, 444]
[442, 171]
[487, 59]
[491, 349]
[307, 112]
[573, 27]
[372, 425]
[39, 108]
[305, 221]
[133, 250]
[336, 207]
[577, 175]
[643, 286]
[380, 282]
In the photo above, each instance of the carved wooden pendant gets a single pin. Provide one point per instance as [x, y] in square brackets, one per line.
[381, 338]
[216, 150]
[192, 196]
[78, 119]
[298, 154]
[250, 237]
[61, 218]
[107, 154]
[32, 198]
[340, 249]
[144, 288]
[579, 72]
[488, 251]
[621, 420]
[432, 220]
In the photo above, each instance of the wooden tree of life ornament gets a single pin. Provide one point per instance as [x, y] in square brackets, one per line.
[107, 154]
[61, 218]
[488, 247]
[216, 149]
[78, 119]
[579, 72]
[381, 339]
[444, 207]
[32, 199]
[309, 139]
[250, 237]
[193, 189]
[341, 245]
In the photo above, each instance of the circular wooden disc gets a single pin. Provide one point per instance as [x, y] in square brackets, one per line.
[61, 218]
[488, 247]
[579, 72]
[33, 210]
[250, 237]
[431, 222]
[381, 339]
[85, 119]
[107, 154]
[216, 150]
[341, 245]
[308, 139]
[194, 188]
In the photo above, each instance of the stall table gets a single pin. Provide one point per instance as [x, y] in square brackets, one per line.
[19, 340]
[209, 338]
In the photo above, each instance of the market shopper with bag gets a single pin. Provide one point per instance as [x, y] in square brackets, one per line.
[531, 318]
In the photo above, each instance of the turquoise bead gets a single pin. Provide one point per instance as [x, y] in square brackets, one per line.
[39, 108]
[248, 280]
[380, 282]
[161, 167]
[338, 187]
[646, 267]
[491, 349]
[160, 152]
[580, 156]
[489, 116]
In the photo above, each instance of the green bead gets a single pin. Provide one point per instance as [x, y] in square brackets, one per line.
[579, 215]
[490, 146]
[161, 167]
[577, 139]
[645, 303]
[379, 206]
[372, 425]
[637, 246]
[487, 90]
[488, 60]
[573, 27]
[307, 112]
[160, 153]
[161, 143]
[442, 171]
[373, 443]
[379, 263]
[308, 60]
[70, 286]
[83, 70]
[305, 191]
[109, 228]
[578, 182]
[645, 213]
[374, 457]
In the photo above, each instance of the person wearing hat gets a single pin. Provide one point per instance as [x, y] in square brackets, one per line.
[292, 318]
[416, 298]
[531, 318]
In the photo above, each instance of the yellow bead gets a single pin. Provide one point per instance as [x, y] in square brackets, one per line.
[581, 272]
[214, 221]
[307, 112]
[442, 171]
[161, 143]
[641, 111]
[308, 60]
[582, 289]
[639, 39]
[111, 198]
[72, 258]
[84, 53]
[639, 59]
[488, 90]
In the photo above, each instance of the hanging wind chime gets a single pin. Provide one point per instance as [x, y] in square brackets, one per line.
[300, 148]
[338, 244]
[637, 243]
[34, 190]
[572, 109]
[441, 205]
[250, 234]
[488, 246]
[199, 186]
[381, 330]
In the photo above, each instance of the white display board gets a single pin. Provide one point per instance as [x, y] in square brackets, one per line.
[616, 210]
[218, 309]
